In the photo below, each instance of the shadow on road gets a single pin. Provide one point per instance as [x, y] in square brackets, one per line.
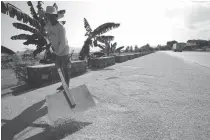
[15, 91]
[26, 120]
[99, 69]
[22, 121]
[48, 134]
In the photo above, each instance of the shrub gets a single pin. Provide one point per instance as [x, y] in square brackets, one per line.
[20, 63]
[6, 61]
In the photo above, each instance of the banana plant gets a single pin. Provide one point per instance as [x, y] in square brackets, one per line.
[110, 49]
[119, 49]
[113, 48]
[95, 37]
[136, 49]
[6, 50]
[35, 24]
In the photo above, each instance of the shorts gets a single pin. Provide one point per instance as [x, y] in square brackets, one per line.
[62, 61]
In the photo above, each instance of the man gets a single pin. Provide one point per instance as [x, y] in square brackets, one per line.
[57, 37]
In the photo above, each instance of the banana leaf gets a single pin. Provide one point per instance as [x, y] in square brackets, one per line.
[102, 47]
[25, 37]
[118, 49]
[62, 12]
[39, 5]
[21, 37]
[13, 11]
[104, 39]
[40, 42]
[33, 12]
[63, 22]
[87, 27]
[25, 27]
[105, 28]
[113, 47]
[4, 8]
[6, 50]
[38, 50]
[55, 5]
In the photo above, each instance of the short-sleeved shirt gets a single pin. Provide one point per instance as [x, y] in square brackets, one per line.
[57, 36]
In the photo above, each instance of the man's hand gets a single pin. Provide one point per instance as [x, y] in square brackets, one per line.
[48, 46]
[47, 40]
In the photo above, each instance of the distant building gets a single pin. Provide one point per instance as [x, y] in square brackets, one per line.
[191, 43]
[190, 46]
[182, 43]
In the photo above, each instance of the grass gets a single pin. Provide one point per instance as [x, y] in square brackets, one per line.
[8, 78]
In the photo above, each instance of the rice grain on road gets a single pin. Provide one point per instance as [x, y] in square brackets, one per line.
[152, 97]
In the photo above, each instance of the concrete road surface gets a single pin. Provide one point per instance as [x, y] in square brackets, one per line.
[155, 97]
[200, 58]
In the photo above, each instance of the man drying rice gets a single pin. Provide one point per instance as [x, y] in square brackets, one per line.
[57, 37]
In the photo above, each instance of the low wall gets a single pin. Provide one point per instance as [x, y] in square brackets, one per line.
[130, 56]
[121, 58]
[139, 55]
[40, 75]
[208, 49]
[102, 62]
[144, 53]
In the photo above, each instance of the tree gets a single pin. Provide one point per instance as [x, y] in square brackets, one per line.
[131, 49]
[36, 24]
[199, 43]
[146, 48]
[127, 49]
[95, 37]
[18, 63]
[170, 44]
[158, 47]
[136, 49]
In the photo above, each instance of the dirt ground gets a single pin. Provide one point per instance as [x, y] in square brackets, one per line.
[152, 97]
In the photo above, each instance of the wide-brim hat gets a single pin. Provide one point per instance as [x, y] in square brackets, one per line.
[51, 10]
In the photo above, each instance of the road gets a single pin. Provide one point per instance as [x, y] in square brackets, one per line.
[200, 58]
[157, 96]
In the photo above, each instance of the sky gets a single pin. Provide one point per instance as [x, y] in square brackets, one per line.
[141, 22]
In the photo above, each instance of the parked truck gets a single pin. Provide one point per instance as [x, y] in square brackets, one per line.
[178, 47]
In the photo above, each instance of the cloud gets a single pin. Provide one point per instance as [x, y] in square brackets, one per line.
[202, 26]
[192, 14]
[199, 13]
